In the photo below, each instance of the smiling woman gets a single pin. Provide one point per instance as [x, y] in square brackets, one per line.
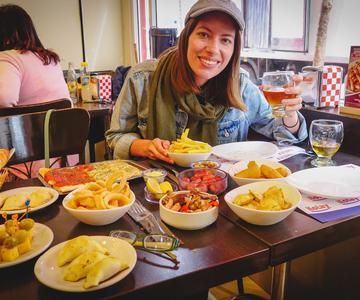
[211, 46]
[197, 85]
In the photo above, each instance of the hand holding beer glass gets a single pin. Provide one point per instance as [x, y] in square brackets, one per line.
[274, 86]
[325, 137]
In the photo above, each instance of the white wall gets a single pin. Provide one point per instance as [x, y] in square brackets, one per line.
[343, 30]
[58, 26]
[109, 34]
[103, 33]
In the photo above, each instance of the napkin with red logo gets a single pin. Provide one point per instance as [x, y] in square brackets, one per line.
[104, 87]
[325, 210]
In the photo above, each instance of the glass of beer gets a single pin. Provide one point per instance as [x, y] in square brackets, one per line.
[325, 137]
[274, 86]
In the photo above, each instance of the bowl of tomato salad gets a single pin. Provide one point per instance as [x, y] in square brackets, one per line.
[213, 181]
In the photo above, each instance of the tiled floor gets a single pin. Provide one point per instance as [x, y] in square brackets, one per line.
[228, 290]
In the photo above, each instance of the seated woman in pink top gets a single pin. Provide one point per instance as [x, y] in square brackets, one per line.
[29, 73]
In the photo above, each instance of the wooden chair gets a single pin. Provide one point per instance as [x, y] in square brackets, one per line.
[68, 132]
[38, 107]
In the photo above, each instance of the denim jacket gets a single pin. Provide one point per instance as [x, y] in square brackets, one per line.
[129, 117]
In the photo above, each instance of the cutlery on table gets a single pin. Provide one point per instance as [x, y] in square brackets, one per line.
[150, 224]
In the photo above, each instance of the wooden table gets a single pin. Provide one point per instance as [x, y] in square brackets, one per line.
[298, 234]
[100, 116]
[209, 257]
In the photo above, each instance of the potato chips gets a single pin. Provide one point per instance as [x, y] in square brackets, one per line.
[102, 194]
[264, 171]
[187, 145]
[272, 199]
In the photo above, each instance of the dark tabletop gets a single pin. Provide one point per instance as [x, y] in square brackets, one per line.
[210, 256]
[300, 234]
[95, 109]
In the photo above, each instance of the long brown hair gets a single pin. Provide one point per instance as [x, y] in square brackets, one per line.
[17, 32]
[225, 85]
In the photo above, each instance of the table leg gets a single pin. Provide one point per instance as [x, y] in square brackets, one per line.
[278, 281]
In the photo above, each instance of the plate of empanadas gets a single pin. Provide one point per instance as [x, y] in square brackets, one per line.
[13, 201]
[85, 263]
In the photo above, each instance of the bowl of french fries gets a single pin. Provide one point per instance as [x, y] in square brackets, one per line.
[100, 202]
[248, 171]
[185, 151]
[263, 203]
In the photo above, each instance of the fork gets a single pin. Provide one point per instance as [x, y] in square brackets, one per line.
[143, 216]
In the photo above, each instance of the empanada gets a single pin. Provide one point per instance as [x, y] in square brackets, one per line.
[73, 248]
[103, 270]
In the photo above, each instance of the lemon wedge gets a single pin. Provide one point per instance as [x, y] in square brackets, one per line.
[153, 186]
[166, 187]
[154, 174]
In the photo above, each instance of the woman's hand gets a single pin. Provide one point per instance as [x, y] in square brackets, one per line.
[153, 149]
[292, 106]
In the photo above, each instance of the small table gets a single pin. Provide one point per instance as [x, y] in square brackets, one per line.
[100, 116]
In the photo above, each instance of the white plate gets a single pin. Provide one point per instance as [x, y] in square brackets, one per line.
[245, 150]
[328, 182]
[42, 238]
[49, 274]
[29, 190]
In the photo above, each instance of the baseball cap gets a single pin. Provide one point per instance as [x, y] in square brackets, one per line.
[226, 6]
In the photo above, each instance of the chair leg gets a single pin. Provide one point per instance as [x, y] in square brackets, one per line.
[92, 151]
[240, 285]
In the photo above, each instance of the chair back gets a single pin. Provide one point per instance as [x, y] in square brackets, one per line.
[38, 107]
[68, 132]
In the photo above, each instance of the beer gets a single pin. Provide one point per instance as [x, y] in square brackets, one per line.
[325, 149]
[274, 95]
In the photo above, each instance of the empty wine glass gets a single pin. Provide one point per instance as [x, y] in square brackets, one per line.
[325, 137]
[274, 85]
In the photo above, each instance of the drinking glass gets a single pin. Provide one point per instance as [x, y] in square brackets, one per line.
[325, 137]
[274, 85]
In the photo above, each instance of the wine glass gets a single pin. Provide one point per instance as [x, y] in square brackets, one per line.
[325, 138]
[274, 85]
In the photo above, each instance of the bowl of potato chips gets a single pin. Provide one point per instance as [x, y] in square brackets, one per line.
[185, 151]
[263, 203]
[248, 171]
[100, 202]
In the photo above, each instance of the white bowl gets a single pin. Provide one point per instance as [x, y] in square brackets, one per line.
[188, 221]
[98, 216]
[242, 165]
[186, 159]
[263, 217]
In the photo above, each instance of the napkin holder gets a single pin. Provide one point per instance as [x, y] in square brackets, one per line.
[322, 85]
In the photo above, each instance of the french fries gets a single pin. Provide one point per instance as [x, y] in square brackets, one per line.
[272, 199]
[187, 145]
[353, 80]
[264, 171]
[102, 195]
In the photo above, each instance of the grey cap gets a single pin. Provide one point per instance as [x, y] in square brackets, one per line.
[226, 6]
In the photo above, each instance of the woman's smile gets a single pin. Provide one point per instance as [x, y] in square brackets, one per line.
[211, 46]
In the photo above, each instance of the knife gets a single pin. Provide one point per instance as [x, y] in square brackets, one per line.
[172, 176]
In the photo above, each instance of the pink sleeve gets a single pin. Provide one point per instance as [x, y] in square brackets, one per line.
[10, 81]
